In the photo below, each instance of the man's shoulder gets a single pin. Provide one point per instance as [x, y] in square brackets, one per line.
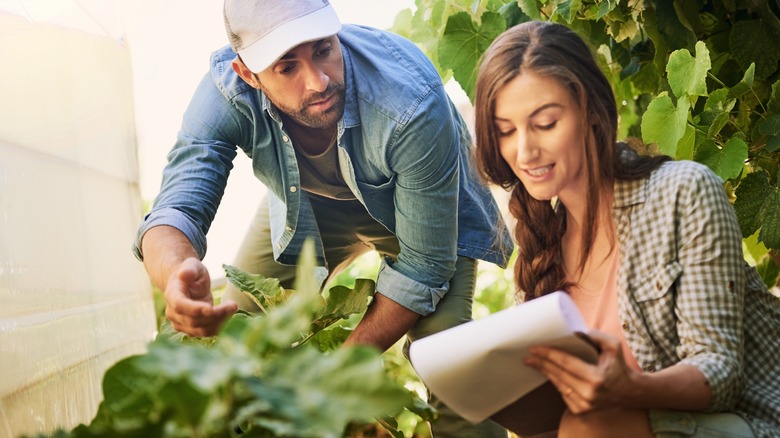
[383, 62]
[221, 72]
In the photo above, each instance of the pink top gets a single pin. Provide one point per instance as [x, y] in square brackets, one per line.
[599, 308]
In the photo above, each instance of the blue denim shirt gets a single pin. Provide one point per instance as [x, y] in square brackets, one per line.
[403, 150]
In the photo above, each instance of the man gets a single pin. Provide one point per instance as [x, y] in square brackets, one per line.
[360, 148]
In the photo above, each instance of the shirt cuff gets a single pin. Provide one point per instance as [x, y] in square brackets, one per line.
[173, 218]
[407, 292]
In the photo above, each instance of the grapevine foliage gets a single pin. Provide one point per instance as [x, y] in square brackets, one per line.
[699, 79]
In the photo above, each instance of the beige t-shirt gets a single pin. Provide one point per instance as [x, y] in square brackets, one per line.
[321, 175]
[599, 308]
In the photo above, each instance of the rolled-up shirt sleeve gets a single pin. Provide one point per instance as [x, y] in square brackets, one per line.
[407, 292]
[198, 167]
[425, 158]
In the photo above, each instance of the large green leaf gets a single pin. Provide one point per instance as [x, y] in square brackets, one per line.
[751, 194]
[687, 75]
[726, 162]
[755, 41]
[462, 45]
[664, 123]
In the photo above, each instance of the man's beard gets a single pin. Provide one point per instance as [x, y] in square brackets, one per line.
[322, 120]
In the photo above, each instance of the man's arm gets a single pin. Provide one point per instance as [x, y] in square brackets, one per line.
[384, 323]
[174, 267]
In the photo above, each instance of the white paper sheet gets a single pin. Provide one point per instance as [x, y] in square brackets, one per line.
[477, 368]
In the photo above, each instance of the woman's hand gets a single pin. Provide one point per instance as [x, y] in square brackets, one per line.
[586, 387]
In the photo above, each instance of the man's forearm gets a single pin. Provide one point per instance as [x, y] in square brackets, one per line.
[385, 323]
[164, 249]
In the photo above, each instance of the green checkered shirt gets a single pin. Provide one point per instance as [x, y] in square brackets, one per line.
[687, 295]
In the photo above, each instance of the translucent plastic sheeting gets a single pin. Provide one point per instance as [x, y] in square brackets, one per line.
[73, 300]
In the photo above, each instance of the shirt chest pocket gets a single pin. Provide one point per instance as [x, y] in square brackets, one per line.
[656, 297]
[380, 201]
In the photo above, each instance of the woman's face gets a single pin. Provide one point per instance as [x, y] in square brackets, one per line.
[540, 136]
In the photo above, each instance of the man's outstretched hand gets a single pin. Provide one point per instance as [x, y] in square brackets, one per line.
[189, 305]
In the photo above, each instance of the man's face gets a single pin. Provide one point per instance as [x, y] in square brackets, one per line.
[307, 83]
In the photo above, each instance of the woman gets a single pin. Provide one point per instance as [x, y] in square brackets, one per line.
[648, 248]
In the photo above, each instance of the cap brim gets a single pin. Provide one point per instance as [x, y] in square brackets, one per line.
[259, 55]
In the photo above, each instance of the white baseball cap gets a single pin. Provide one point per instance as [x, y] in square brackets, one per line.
[262, 31]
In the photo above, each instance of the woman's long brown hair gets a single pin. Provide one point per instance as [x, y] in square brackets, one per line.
[550, 50]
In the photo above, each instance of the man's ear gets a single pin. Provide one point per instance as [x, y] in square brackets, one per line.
[241, 69]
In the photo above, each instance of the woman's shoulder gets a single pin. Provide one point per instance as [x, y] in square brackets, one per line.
[683, 173]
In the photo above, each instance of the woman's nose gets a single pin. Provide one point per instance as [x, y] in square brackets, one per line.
[525, 149]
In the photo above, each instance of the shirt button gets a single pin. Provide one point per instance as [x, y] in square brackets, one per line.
[285, 138]
[625, 326]
[658, 285]
[279, 246]
[288, 228]
[293, 189]
[650, 368]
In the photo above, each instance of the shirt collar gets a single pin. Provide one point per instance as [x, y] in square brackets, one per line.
[351, 114]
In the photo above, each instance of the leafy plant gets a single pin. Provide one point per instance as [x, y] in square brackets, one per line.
[696, 78]
[276, 374]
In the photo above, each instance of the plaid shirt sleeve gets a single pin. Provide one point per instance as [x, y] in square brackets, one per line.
[681, 271]
[711, 287]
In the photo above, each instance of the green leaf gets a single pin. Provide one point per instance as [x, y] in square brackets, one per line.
[305, 274]
[771, 127]
[687, 144]
[127, 391]
[751, 193]
[646, 80]
[659, 41]
[770, 216]
[343, 302]
[687, 75]
[746, 84]
[768, 271]
[331, 338]
[664, 123]
[670, 27]
[462, 45]
[726, 162]
[755, 41]
[753, 250]
[328, 391]
[529, 8]
[597, 12]
[623, 30]
[265, 292]
[717, 110]
[774, 99]
[568, 9]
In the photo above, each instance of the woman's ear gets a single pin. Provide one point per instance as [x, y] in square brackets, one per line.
[243, 71]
